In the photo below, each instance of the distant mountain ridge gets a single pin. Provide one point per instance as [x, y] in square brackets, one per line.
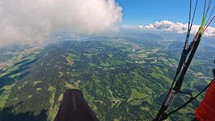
[123, 78]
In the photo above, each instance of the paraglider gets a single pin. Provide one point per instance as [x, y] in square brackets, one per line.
[206, 110]
[187, 55]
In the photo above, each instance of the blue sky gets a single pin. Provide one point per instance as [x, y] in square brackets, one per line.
[143, 12]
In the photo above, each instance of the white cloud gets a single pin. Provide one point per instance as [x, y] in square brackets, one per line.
[33, 21]
[178, 27]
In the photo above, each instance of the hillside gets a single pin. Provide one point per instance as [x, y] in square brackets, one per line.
[122, 78]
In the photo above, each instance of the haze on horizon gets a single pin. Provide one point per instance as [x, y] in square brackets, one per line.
[27, 22]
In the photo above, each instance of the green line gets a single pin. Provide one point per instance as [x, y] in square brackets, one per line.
[203, 24]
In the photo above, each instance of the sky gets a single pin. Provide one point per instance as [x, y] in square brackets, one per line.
[143, 12]
[37, 21]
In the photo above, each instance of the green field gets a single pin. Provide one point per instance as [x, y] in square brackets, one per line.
[122, 79]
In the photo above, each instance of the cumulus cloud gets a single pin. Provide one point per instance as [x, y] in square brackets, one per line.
[178, 27]
[33, 21]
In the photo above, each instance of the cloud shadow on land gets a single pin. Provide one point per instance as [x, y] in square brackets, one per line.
[7, 115]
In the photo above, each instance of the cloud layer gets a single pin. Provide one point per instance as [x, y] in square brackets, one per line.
[178, 27]
[33, 21]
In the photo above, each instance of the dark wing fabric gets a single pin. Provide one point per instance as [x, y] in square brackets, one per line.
[74, 108]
